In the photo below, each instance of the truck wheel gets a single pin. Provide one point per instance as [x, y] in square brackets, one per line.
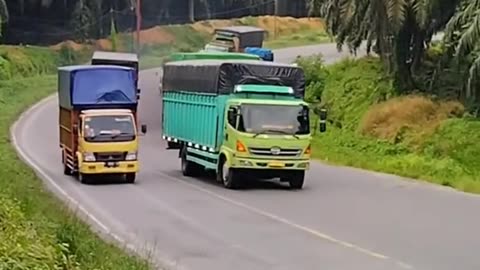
[67, 170]
[296, 180]
[84, 179]
[130, 177]
[189, 168]
[229, 177]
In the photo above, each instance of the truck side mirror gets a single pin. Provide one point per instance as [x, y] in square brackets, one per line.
[323, 120]
[144, 129]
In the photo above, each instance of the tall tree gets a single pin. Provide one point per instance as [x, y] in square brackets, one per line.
[398, 30]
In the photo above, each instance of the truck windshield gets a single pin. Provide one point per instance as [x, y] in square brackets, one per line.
[106, 128]
[274, 119]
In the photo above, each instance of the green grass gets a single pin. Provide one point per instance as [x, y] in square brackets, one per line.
[446, 155]
[37, 232]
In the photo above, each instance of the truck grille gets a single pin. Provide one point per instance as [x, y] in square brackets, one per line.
[112, 156]
[275, 151]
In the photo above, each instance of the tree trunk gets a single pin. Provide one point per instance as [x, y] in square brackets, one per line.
[403, 79]
[191, 10]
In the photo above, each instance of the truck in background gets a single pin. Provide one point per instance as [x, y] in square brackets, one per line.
[97, 121]
[245, 39]
[240, 118]
[211, 55]
[118, 59]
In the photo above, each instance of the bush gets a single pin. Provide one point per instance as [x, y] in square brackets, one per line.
[408, 119]
[414, 136]
[352, 86]
[315, 76]
[16, 62]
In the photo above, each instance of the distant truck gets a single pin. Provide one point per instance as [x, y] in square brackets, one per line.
[240, 118]
[97, 121]
[118, 59]
[245, 39]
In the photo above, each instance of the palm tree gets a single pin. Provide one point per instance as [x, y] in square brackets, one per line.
[398, 30]
[463, 32]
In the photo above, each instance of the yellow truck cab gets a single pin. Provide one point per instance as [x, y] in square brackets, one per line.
[98, 121]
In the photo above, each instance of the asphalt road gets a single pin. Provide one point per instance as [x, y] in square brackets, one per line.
[343, 219]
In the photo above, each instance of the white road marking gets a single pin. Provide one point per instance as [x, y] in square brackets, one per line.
[298, 226]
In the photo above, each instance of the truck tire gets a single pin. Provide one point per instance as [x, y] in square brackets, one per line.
[84, 179]
[189, 168]
[130, 178]
[229, 177]
[67, 170]
[296, 180]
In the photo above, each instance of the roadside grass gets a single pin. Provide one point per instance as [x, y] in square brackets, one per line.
[37, 231]
[371, 127]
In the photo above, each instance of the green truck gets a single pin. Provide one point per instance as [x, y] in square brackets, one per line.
[212, 55]
[242, 119]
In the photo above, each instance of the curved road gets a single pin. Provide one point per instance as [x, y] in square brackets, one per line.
[343, 219]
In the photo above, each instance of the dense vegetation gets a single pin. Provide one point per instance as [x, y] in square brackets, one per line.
[412, 110]
[52, 21]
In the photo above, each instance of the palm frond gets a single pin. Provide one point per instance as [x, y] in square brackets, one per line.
[470, 38]
[396, 13]
[473, 78]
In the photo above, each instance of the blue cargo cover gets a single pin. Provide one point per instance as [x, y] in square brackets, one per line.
[87, 86]
[265, 54]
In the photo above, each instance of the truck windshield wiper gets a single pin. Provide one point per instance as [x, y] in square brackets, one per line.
[275, 131]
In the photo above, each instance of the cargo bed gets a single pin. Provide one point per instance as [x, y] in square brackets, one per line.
[192, 118]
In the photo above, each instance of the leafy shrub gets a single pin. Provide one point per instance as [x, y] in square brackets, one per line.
[315, 76]
[408, 119]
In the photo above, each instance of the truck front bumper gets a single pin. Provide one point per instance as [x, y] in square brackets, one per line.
[270, 164]
[119, 167]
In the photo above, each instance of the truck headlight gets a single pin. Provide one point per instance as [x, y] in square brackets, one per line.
[89, 157]
[131, 156]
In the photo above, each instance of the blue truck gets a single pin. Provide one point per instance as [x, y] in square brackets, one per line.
[98, 121]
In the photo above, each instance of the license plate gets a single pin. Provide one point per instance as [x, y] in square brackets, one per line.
[276, 164]
[111, 164]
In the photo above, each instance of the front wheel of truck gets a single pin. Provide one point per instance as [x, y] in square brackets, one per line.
[130, 178]
[296, 180]
[84, 178]
[228, 176]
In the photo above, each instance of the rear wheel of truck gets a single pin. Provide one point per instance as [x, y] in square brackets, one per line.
[296, 180]
[66, 169]
[130, 178]
[189, 168]
[228, 176]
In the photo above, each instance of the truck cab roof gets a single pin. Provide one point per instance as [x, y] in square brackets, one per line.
[107, 111]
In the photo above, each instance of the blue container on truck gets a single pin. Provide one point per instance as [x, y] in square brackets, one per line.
[237, 117]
